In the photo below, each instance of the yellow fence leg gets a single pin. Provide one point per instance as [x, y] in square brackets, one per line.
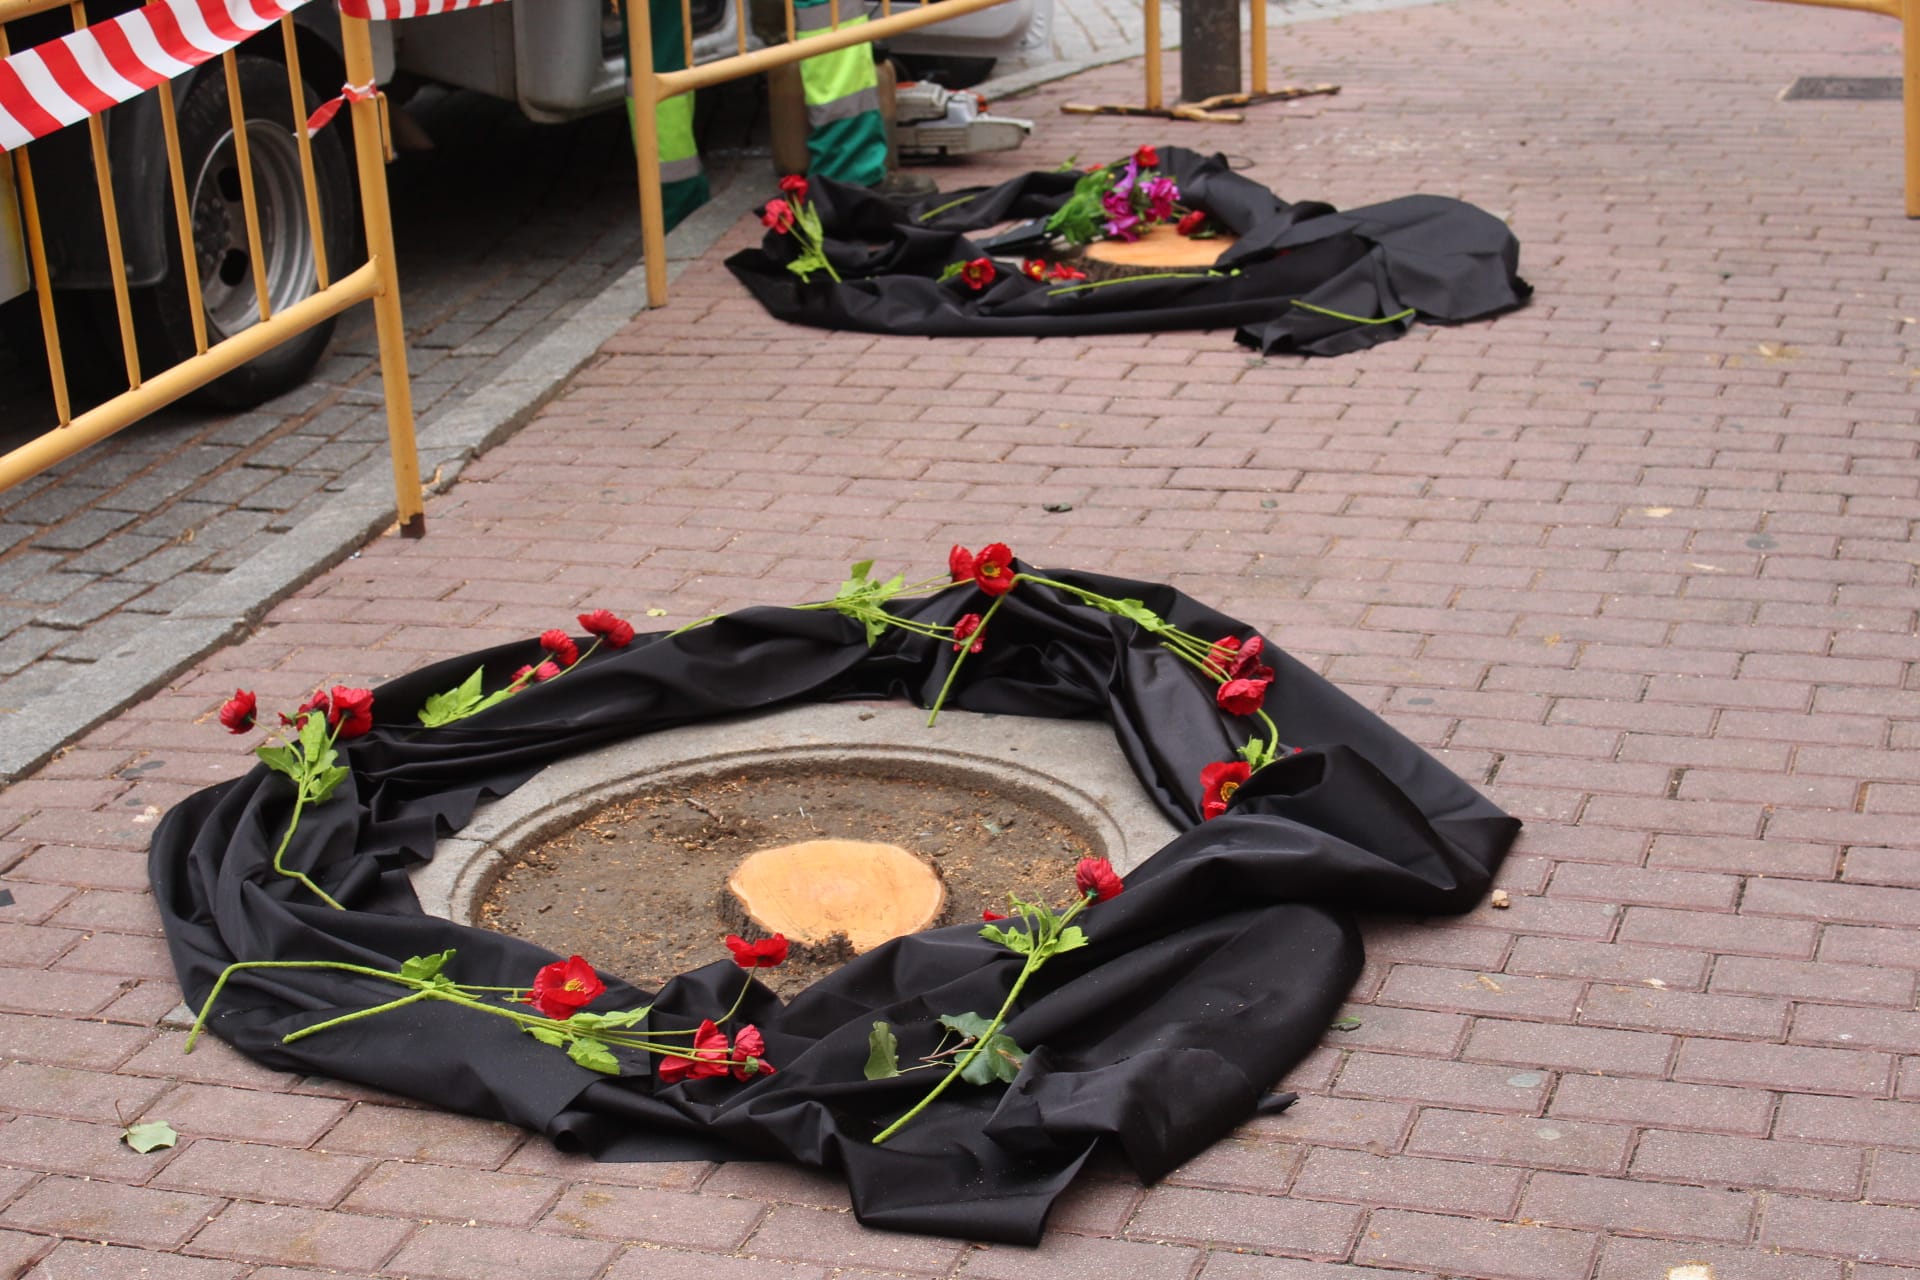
[370, 155]
[646, 148]
[1910, 59]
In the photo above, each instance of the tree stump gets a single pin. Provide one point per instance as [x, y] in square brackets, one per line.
[1162, 248]
[813, 890]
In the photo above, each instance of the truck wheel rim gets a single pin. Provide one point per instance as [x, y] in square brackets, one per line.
[220, 228]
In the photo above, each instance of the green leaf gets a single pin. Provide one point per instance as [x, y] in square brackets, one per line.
[320, 788]
[548, 1035]
[859, 572]
[313, 736]
[1001, 1060]
[454, 704]
[624, 1017]
[971, 1026]
[1018, 941]
[594, 1056]
[426, 968]
[151, 1136]
[1071, 938]
[281, 760]
[1347, 1024]
[883, 1053]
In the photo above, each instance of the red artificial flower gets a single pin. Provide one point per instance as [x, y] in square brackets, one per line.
[565, 987]
[616, 631]
[1218, 782]
[1097, 877]
[795, 188]
[989, 915]
[1221, 655]
[1192, 222]
[545, 671]
[969, 625]
[764, 954]
[710, 1057]
[960, 563]
[778, 215]
[561, 646]
[1034, 268]
[1061, 271]
[993, 569]
[349, 710]
[1245, 664]
[238, 713]
[748, 1047]
[1241, 697]
[1147, 158]
[523, 674]
[978, 274]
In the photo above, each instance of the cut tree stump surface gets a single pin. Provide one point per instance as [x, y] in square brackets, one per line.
[812, 890]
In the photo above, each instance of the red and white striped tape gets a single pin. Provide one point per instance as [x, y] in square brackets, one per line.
[61, 82]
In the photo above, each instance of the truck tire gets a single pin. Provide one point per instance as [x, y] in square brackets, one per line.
[224, 261]
[946, 70]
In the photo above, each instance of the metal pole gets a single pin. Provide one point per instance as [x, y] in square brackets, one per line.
[646, 148]
[370, 156]
[1155, 100]
[1910, 54]
[1209, 48]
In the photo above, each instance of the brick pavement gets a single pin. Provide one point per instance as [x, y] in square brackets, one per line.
[1637, 560]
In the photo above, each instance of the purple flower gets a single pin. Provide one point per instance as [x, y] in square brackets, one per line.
[1127, 179]
[1161, 195]
[1122, 228]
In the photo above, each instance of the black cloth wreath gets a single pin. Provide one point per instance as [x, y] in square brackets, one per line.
[1302, 277]
[1206, 980]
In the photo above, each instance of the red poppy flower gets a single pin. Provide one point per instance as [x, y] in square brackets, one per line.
[561, 646]
[968, 625]
[710, 1054]
[1061, 271]
[1034, 268]
[238, 713]
[1241, 697]
[1192, 222]
[795, 188]
[565, 987]
[1147, 158]
[778, 215]
[989, 915]
[1245, 663]
[1221, 655]
[349, 709]
[616, 631]
[960, 563]
[545, 671]
[978, 274]
[1218, 782]
[993, 569]
[1097, 877]
[764, 954]
[748, 1046]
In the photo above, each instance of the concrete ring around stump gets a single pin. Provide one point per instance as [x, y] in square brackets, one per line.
[1071, 769]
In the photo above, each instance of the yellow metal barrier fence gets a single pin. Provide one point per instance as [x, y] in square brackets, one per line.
[1908, 14]
[651, 88]
[376, 281]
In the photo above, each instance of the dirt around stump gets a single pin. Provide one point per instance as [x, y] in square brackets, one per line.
[639, 887]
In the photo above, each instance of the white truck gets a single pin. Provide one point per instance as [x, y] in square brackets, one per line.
[557, 60]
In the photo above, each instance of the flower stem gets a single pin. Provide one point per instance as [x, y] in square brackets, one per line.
[299, 803]
[422, 994]
[1341, 315]
[954, 670]
[219, 984]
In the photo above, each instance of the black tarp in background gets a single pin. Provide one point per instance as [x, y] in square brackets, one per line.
[1446, 259]
[1206, 980]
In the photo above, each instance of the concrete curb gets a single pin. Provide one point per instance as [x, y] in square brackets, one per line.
[362, 507]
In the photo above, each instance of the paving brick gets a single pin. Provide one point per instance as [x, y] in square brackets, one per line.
[1408, 1182]
[1865, 1122]
[1864, 1232]
[289, 1236]
[796, 1234]
[1407, 1079]
[1710, 1108]
[65, 1043]
[1685, 1011]
[1526, 1141]
[1636, 1208]
[657, 1217]
[70, 1146]
[1338, 1122]
[1856, 1028]
[1787, 1067]
[1710, 1160]
[117, 1262]
[248, 1115]
[431, 1136]
[673, 1264]
[1244, 1266]
[1717, 932]
[425, 1192]
[1528, 1044]
[542, 1160]
[1625, 1258]
[108, 1212]
[1080, 1258]
[1241, 1164]
[1850, 904]
[247, 1170]
[1465, 991]
[1895, 1178]
[1607, 962]
[1306, 1227]
[18, 1248]
[1497, 1250]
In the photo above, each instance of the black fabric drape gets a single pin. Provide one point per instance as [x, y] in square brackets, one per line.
[1212, 974]
[1291, 266]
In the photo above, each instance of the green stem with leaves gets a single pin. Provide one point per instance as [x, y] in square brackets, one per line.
[299, 803]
